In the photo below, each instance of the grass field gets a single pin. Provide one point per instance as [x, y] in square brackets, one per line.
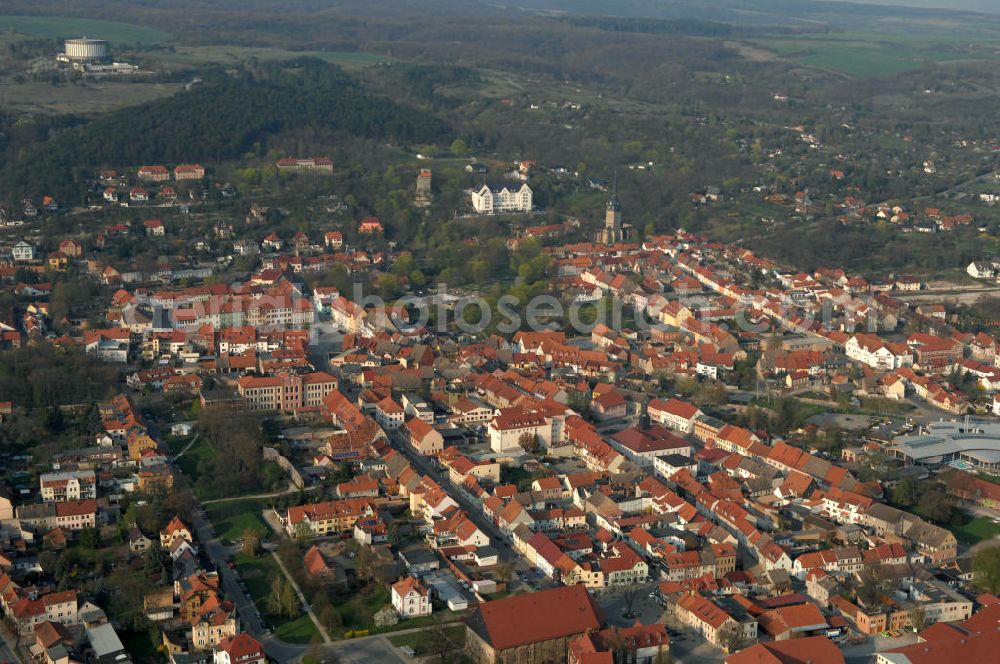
[232, 518]
[257, 574]
[301, 630]
[177, 443]
[975, 530]
[195, 459]
[859, 54]
[425, 642]
[63, 27]
[358, 609]
[87, 97]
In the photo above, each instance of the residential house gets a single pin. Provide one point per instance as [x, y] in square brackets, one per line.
[239, 649]
[410, 598]
[423, 438]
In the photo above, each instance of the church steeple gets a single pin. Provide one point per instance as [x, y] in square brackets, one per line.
[613, 218]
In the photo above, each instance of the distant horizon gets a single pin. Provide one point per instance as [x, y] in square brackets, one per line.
[984, 6]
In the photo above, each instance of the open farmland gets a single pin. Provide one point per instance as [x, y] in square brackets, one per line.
[62, 26]
[860, 55]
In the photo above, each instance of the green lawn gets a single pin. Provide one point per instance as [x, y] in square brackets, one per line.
[425, 642]
[518, 476]
[65, 27]
[975, 530]
[195, 460]
[582, 200]
[257, 574]
[177, 443]
[358, 609]
[232, 518]
[301, 630]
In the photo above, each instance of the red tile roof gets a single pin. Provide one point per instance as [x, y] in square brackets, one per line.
[976, 647]
[241, 646]
[536, 617]
[403, 588]
[704, 610]
[813, 649]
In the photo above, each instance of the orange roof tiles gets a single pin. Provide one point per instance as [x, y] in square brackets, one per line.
[535, 617]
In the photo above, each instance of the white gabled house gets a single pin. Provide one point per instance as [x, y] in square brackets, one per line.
[877, 353]
[674, 413]
[411, 598]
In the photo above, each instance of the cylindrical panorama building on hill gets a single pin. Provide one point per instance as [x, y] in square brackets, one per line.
[85, 50]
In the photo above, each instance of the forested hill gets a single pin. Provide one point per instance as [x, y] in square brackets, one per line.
[216, 120]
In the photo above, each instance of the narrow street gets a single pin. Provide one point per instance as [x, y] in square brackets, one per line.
[8, 642]
[425, 467]
[248, 613]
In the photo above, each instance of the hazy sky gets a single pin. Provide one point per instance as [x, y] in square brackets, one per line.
[990, 6]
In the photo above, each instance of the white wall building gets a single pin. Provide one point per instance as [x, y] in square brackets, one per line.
[410, 598]
[76, 485]
[873, 351]
[22, 251]
[489, 199]
[674, 413]
[508, 427]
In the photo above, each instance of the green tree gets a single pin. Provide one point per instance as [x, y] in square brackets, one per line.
[364, 564]
[290, 606]
[251, 542]
[918, 617]
[330, 618]
[986, 568]
[905, 492]
[90, 538]
[504, 572]
[937, 506]
[156, 563]
[274, 604]
[872, 584]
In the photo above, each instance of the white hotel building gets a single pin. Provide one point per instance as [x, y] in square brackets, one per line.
[493, 199]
